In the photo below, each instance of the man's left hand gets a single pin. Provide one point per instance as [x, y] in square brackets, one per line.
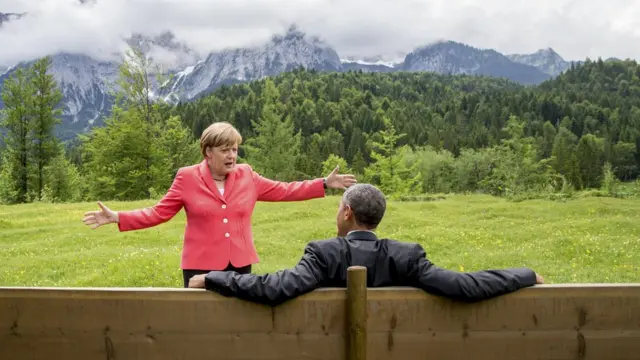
[197, 281]
[335, 181]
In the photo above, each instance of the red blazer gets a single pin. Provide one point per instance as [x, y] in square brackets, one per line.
[218, 229]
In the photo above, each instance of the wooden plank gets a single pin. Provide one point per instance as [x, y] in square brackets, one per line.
[550, 321]
[539, 308]
[195, 312]
[503, 345]
[159, 346]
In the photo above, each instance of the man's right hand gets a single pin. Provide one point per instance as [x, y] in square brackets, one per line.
[102, 217]
[539, 279]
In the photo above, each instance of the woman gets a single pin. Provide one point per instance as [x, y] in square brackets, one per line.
[219, 197]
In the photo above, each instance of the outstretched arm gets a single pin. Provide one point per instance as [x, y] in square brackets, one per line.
[470, 286]
[274, 288]
[270, 190]
[163, 211]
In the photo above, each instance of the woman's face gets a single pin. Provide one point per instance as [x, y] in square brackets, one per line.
[222, 159]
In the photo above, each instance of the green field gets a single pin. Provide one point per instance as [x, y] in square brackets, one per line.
[583, 240]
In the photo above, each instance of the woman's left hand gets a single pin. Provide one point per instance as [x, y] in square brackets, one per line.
[336, 181]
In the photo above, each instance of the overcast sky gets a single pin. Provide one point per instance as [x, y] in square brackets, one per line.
[574, 28]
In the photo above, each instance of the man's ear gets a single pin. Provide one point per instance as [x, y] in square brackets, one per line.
[348, 212]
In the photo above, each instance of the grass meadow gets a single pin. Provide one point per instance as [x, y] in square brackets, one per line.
[585, 240]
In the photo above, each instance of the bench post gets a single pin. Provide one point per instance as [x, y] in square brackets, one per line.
[357, 312]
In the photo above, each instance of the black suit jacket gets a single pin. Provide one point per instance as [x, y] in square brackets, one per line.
[388, 263]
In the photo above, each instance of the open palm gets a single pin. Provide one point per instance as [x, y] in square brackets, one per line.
[336, 181]
[98, 218]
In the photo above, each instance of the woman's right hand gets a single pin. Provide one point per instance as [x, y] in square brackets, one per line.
[102, 217]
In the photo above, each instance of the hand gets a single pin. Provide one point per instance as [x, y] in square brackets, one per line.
[539, 279]
[197, 281]
[335, 181]
[102, 217]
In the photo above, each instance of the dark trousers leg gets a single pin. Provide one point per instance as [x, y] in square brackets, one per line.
[189, 273]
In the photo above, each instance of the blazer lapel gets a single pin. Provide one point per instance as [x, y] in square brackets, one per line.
[205, 174]
[228, 185]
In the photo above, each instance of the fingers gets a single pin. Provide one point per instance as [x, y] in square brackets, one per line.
[349, 180]
[92, 221]
[333, 173]
[102, 206]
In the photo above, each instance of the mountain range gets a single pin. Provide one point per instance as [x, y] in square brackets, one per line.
[87, 83]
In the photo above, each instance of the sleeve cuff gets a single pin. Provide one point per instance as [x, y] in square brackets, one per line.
[122, 221]
[528, 276]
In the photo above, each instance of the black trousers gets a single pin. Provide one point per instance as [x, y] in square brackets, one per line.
[189, 273]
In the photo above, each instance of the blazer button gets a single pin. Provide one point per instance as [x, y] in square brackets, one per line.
[226, 235]
[224, 206]
[225, 221]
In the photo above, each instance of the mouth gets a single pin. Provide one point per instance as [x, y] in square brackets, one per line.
[228, 164]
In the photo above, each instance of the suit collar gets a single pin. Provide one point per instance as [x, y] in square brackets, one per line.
[205, 174]
[362, 235]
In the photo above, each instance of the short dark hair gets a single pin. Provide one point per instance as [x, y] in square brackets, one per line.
[367, 203]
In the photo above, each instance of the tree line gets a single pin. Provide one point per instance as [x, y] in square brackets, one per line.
[409, 133]
[457, 130]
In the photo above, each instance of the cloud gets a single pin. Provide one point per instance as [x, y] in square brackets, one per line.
[574, 28]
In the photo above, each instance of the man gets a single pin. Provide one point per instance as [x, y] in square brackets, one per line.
[388, 263]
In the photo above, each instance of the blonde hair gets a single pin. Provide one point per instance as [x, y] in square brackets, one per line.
[219, 134]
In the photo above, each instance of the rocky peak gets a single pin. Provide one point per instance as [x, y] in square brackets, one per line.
[547, 60]
[282, 53]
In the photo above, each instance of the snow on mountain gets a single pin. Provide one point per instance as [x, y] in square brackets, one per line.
[546, 60]
[372, 63]
[283, 53]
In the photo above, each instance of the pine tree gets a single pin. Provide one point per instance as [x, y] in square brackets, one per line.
[389, 170]
[563, 156]
[17, 95]
[275, 149]
[175, 148]
[590, 160]
[45, 116]
[136, 84]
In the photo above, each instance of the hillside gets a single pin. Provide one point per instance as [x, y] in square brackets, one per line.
[408, 132]
[449, 113]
